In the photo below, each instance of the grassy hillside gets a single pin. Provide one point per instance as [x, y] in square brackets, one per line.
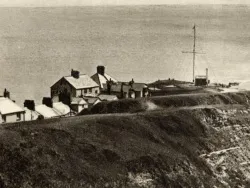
[171, 147]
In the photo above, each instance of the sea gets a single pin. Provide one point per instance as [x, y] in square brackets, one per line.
[39, 45]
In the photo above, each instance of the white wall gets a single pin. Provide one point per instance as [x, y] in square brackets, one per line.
[10, 118]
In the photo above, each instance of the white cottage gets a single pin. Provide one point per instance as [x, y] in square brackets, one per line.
[10, 111]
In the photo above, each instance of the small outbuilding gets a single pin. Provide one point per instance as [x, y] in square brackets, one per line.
[78, 104]
[201, 81]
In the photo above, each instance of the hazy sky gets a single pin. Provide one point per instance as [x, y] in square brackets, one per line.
[113, 2]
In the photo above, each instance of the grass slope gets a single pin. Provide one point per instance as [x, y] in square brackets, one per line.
[160, 148]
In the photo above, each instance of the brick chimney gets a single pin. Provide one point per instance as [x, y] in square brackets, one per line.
[101, 70]
[30, 104]
[48, 102]
[75, 73]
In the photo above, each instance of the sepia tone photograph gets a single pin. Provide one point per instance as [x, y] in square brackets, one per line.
[124, 94]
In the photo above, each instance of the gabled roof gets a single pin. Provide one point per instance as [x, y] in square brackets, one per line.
[139, 86]
[47, 112]
[7, 106]
[101, 80]
[78, 100]
[61, 108]
[84, 81]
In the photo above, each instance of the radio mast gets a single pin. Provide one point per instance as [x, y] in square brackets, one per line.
[193, 52]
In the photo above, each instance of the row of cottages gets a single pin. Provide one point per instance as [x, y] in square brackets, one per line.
[46, 110]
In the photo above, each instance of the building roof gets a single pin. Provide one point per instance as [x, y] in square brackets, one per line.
[200, 77]
[47, 112]
[91, 100]
[101, 80]
[139, 86]
[78, 100]
[108, 97]
[7, 106]
[84, 81]
[61, 108]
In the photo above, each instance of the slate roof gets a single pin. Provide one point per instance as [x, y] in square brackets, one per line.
[101, 80]
[61, 108]
[7, 106]
[78, 100]
[84, 81]
[47, 112]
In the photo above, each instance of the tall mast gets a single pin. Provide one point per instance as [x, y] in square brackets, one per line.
[193, 52]
[194, 28]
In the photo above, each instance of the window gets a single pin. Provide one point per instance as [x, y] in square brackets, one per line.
[90, 90]
[18, 117]
[96, 91]
[85, 90]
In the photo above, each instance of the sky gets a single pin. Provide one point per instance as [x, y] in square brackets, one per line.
[42, 3]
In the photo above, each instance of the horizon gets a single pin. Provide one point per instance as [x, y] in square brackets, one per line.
[83, 3]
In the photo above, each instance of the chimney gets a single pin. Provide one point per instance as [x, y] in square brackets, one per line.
[6, 93]
[75, 73]
[30, 104]
[48, 102]
[101, 70]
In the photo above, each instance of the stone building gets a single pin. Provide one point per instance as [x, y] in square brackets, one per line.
[75, 85]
